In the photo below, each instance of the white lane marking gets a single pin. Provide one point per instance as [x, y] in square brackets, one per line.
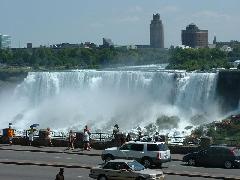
[79, 176]
[57, 157]
[68, 158]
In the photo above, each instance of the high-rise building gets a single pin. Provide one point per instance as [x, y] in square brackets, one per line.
[194, 37]
[29, 45]
[156, 32]
[107, 43]
[5, 41]
[215, 40]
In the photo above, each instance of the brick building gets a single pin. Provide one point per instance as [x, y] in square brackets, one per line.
[194, 37]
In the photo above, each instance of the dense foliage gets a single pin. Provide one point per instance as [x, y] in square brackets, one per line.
[197, 59]
[225, 132]
[66, 58]
[235, 54]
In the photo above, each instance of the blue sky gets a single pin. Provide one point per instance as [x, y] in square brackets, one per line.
[124, 21]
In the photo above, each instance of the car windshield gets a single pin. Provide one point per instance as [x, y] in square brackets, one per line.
[136, 166]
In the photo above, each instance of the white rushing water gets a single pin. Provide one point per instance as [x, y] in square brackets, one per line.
[100, 99]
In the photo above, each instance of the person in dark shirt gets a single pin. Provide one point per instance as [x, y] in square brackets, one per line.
[128, 138]
[60, 175]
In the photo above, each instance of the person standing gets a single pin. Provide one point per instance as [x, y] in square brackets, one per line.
[86, 138]
[60, 175]
[156, 137]
[10, 134]
[115, 130]
[31, 135]
[71, 139]
[128, 138]
[49, 138]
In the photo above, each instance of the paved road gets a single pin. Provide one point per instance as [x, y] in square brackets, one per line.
[180, 167]
[16, 172]
[87, 160]
[50, 157]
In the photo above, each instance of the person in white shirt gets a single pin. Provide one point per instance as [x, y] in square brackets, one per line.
[86, 139]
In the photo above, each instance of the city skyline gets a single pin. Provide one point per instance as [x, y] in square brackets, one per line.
[125, 22]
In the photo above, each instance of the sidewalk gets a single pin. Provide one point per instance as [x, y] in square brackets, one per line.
[93, 152]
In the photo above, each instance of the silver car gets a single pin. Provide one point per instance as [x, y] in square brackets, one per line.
[125, 170]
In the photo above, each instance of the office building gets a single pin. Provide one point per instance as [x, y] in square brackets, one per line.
[156, 32]
[29, 45]
[5, 41]
[194, 37]
[107, 43]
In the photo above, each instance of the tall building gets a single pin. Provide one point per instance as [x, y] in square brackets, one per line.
[29, 45]
[5, 41]
[107, 43]
[194, 37]
[156, 32]
[215, 40]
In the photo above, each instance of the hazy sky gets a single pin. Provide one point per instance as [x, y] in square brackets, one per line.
[124, 21]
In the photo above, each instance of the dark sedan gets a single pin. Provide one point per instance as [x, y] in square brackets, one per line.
[217, 156]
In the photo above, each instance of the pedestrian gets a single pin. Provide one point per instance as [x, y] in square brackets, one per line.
[139, 135]
[156, 137]
[10, 134]
[71, 139]
[60, 175]
[115, 130]
[86, 138]
[49, 138]
[128, 138]
[31, 135]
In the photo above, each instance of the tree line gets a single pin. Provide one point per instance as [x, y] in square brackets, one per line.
[67, 58]
[70, 58]
[197, 59]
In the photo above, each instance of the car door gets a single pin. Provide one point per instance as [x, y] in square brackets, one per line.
[202, 157]
[123, 172]
[218, 156]
[207, 157]
[136, 151]
[124, 151]
[110, 170]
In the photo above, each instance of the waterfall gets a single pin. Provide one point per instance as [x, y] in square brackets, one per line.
[100, 99]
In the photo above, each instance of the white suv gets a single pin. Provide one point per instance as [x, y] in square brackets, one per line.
[147, 153]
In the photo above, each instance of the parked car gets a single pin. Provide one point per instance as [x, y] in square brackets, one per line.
[225, 156]
[125, 169]
[147, 153]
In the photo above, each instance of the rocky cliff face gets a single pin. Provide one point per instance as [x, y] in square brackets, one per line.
[9, 80]
[228, 90]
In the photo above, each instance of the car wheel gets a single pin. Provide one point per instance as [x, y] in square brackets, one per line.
[102, 177]
[147, 162]
[108, 158]
[191, 162]
[227, 164]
